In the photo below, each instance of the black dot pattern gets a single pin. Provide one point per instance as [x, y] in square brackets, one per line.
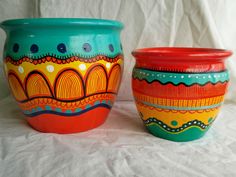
[15, 47]
[61, 48]
[34, 48]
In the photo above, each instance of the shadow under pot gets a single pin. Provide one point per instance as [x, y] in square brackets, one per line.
[179, 91]
[63, 73]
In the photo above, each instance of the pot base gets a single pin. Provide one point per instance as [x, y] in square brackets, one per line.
[188, 135]
[53, 123]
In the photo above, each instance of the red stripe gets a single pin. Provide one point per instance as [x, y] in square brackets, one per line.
[182, 67]
[181, 91]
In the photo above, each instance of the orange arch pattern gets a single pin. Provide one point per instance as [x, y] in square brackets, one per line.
[114, 79]
[96, 80]
[69, 86]
[16, 88]
[36, 86]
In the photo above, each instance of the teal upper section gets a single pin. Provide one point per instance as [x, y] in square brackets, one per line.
[177, 78]
[62, 21]
[62, 37]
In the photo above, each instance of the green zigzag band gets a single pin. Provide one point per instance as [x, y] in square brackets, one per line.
[177, 78]
[193, 123]
[190, 134]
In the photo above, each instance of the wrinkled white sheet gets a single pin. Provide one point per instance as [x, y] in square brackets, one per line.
[120, 147]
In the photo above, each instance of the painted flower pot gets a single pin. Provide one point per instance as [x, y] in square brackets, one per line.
[178, 91]
[64, 73]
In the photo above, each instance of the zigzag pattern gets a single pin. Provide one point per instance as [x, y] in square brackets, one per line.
[62, 60]
[193, 123]
[180, 83]
[180, 78]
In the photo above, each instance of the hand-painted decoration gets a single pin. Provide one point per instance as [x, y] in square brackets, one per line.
[64, 80]
[178, 91]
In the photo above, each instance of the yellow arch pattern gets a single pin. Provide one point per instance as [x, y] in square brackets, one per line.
[69, 86]
[36, 86]
[16, 88]
[96, 81]
[114, 79]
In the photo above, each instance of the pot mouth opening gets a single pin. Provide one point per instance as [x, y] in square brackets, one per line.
[62, 22]
[177, 53]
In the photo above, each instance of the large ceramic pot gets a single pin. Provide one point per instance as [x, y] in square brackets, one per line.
[64, 73]
[178, 91]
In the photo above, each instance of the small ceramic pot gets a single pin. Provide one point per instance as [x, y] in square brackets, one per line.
[178, 91]
[64, 73]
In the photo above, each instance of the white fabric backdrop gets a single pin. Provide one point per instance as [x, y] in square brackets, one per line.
[148, 23]
[122, 147]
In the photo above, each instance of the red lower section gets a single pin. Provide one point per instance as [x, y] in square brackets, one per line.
[51, 123]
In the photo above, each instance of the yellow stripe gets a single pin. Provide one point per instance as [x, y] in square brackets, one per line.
[181, 117]
[28, 67]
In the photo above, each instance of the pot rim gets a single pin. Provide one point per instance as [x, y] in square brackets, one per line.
[61, 22]
[177, 53]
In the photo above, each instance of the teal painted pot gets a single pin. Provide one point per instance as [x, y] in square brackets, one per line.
[179, 91]
[64, 73]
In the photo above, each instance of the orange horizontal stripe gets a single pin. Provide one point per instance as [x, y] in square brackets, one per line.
[41, 102]
[179, 102]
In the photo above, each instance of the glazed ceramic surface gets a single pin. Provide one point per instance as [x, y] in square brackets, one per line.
[178, 91]
[64, 73]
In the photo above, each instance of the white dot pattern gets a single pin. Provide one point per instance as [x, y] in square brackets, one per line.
[50, 68]
[82, 67]
[21, 69]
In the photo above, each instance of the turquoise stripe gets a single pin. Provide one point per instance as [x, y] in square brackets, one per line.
[177, 78]
[47, 34]
[179, 108]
